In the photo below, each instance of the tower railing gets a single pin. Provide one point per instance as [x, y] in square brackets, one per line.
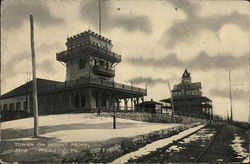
[104, 71]
[88, 45]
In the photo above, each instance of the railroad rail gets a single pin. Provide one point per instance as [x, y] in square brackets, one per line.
[152, 154]
[208, 145]
[168, 146]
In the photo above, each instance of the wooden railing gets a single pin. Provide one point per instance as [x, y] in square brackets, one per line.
[100, 82]
[104, 71]
[105, 52]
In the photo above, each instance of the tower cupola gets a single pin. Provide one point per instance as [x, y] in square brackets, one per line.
[186, 78]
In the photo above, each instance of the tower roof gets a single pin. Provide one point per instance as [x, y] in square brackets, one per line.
[185, 74]
[22, 90]
[77, 38]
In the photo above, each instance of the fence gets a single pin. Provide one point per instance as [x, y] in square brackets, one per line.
[152, 117]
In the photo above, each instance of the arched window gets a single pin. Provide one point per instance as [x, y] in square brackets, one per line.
[96, 101]
[101, 63]
[77, 101]
[81, 64]
[104, 102]
[82, 101]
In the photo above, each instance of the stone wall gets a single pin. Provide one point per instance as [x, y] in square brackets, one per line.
[152, 117]
[108, 154]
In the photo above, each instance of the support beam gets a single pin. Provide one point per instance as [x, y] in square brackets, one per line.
[131, 103]
[99, 97]
[54, 102]
[70, 101]
[61, 101]
[172, 102]
[142, 99]
[80, 100]
[114, 114]
[137, 100]
[126, 103]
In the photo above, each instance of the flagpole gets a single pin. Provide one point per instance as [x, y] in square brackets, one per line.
[34, 82]
[100, 17]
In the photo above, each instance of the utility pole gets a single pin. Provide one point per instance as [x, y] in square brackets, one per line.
[172, 102]
[230, 95]
[100, 18]
[34, 84]
[227, 116]
[1, 111]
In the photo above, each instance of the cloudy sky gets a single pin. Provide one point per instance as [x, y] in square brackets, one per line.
[157, 40]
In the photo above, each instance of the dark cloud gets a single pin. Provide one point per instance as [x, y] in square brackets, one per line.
[149, 81]
[46, 47]
[237, 94]
[201, 62]
[46, 66]
[89, 12]
[189, 8]
[15, 12]
[8, 68]
[184, 31]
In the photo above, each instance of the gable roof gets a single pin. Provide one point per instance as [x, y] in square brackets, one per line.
[187, 86]
[148, 103]
[23, 89]
[187, 98]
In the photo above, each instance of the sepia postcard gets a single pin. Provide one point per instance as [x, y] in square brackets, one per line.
[123, 81]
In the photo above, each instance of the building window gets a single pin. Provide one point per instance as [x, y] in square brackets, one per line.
[12, 107]
[81, 64]
[97, 101]
[82, 101]
[101, 63]
[18, 106]
[77, 101]
[104, 102]
[5, 107]
[25, 105]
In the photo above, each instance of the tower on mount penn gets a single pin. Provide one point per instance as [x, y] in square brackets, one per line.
[89, 54]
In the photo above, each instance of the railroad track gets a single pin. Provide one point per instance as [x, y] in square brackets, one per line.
[164, 148]
[208, 145]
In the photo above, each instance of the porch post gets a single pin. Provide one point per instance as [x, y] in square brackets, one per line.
[114, 114]
[70, 103]
[126, 103]
[80, 100]
[131, 103]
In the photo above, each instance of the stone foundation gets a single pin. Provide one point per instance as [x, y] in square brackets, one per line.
[152, 117]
